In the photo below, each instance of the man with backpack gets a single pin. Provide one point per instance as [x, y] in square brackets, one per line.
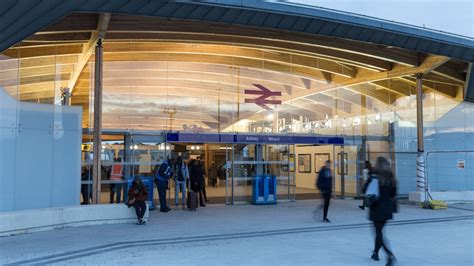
[161, 180]
[181, 177]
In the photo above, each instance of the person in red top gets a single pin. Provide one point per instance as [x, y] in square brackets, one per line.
[137, 195]
[116, 176]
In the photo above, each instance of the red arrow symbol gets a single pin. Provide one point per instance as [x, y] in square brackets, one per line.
[262, 100]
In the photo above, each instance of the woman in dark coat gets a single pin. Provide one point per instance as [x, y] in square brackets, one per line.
[383, 208]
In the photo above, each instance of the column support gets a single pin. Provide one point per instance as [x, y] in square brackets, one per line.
[259, 168]
[420, 159]
[97, 136]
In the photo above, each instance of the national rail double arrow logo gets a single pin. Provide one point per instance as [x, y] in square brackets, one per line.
[263, 100]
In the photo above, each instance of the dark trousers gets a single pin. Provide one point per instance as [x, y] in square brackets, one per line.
[202, 192]
[379, 241]
[213, 182]
[86, 194]
[112, 193]
[161, 186]
[140, 208]
[326, 199]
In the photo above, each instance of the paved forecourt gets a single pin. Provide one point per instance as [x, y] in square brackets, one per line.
[289, 233]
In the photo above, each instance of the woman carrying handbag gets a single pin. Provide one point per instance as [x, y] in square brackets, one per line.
[381, 199]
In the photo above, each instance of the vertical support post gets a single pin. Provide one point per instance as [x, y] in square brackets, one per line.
[66, 96]
[275, 119]
[259, 169]
[219, 112]
[420, 159]
[342, 168]
[97, 137]
[361, 157]
[127, 142]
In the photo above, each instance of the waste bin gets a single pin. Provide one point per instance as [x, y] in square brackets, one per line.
[264, 190]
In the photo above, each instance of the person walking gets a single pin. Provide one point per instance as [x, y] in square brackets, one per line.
[181, 176]
[137, 195]
[384, 206]
[213, 171]
[324, 184]
[367, 174]
[196, 173]
[161, 180]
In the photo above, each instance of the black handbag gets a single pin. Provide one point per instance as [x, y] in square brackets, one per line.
[394, 205]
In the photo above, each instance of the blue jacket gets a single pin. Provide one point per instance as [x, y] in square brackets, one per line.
[164, 172]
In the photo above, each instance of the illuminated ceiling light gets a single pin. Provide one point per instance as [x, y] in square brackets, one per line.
[369, 122]
[193, 148]
[135, 147]
[336, 117]
[103, 146]
[328, 123]
[198, 147]
[378, 117]
[356, 121]
[167, 147]
[270, 117]
[131, 147]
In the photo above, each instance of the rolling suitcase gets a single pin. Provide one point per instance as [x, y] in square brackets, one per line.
[192, 200]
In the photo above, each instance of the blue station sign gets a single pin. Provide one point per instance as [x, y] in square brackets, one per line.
[249, 138]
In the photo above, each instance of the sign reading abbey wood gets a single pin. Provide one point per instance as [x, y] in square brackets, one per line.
[264, 93]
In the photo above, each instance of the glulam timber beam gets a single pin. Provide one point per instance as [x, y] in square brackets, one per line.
[429, 63]
[88, 48]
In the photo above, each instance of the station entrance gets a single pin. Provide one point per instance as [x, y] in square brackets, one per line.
[231, 162]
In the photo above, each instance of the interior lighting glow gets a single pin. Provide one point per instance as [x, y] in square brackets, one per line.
[135, 147]
[270, 117]
[356, 121]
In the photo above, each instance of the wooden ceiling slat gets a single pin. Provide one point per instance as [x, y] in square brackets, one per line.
[48, 50]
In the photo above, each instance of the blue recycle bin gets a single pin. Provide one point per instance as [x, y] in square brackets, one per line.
[264, 189]
[148, 181]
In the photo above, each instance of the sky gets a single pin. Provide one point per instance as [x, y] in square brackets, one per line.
[454, 16]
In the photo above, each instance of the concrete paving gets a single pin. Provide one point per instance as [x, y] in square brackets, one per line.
[285, 234]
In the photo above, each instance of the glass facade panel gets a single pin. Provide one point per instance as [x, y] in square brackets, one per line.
[200, 85]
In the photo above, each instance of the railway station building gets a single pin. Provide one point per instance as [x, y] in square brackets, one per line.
[250, 87]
